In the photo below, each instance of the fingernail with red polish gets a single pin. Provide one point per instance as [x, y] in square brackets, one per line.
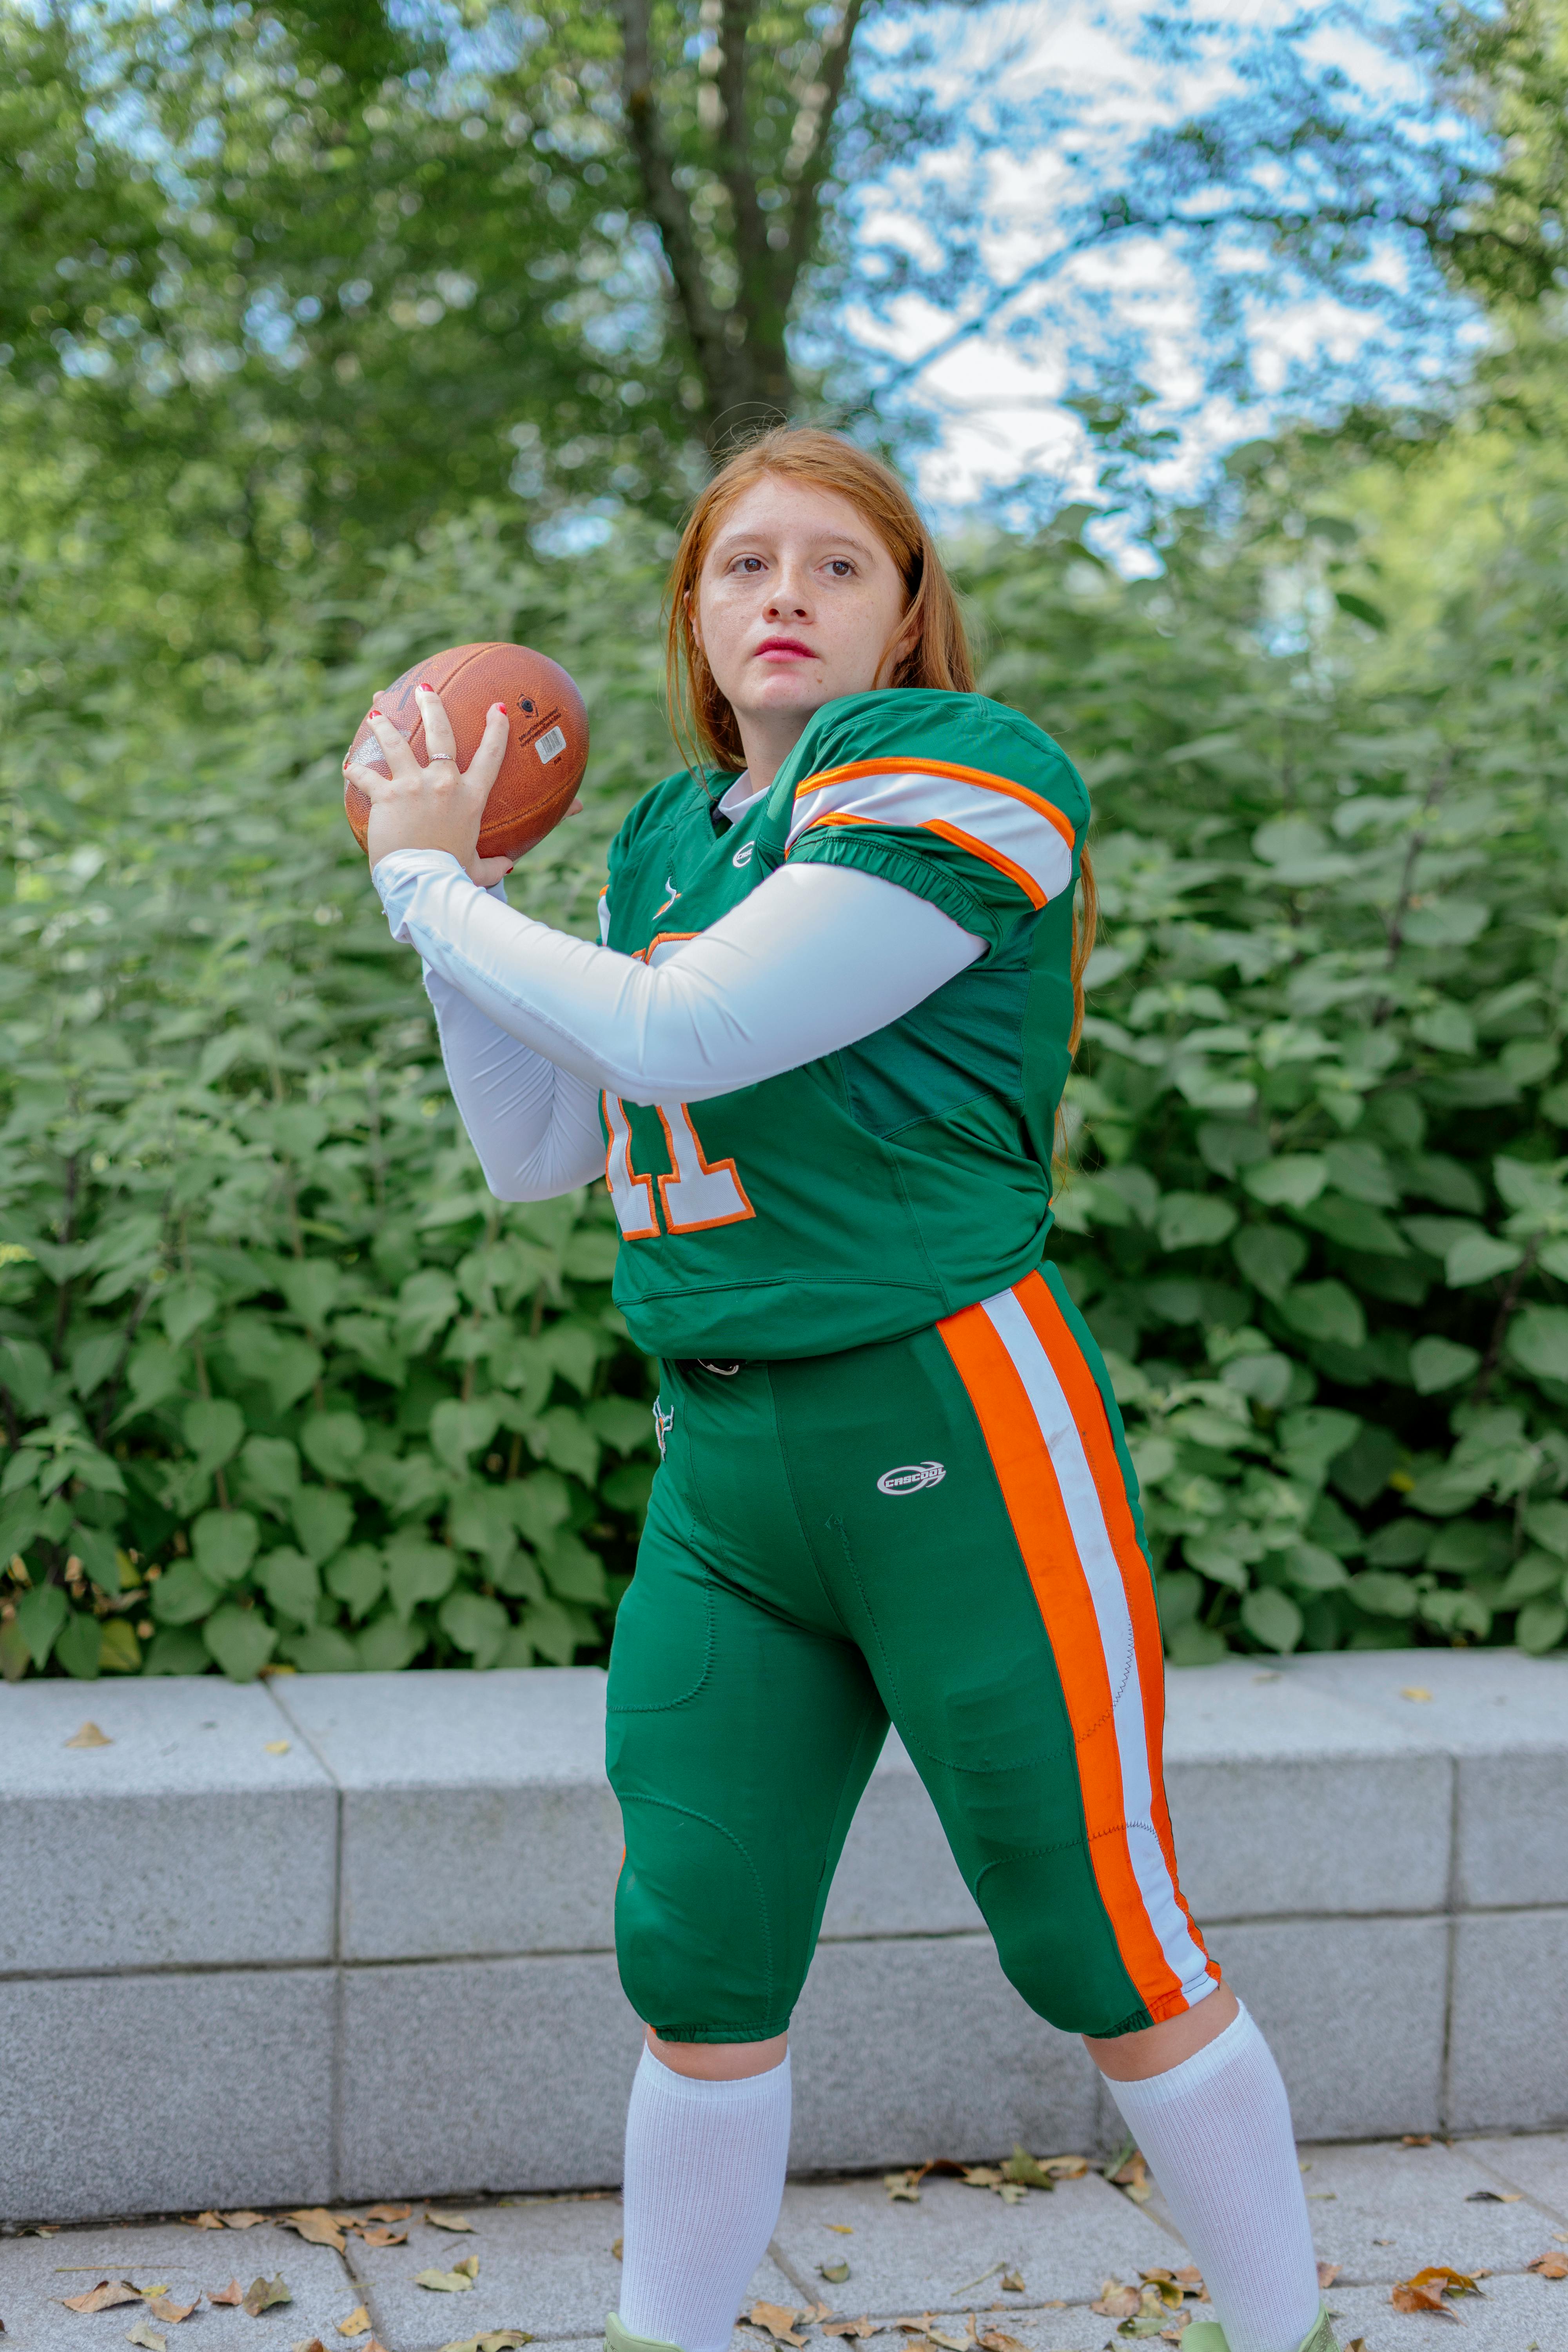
[378, 714]
[425, 687]
[501, 708]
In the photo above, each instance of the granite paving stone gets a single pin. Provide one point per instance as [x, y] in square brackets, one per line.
[1508, 2031]
[545, 2265]
[1536, 2163]
[477, 1818]
[153, 2093]
[36, 2273]
[204, 1834]
[1512, 2315]
[1289, 1799]
[1415, 2199]
[911, 2258]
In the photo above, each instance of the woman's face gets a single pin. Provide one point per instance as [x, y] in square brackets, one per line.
[798, 602]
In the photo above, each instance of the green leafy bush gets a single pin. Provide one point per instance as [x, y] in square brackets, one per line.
[283, 1385]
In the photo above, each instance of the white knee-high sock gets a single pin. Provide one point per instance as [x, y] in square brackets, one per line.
[705, 2174]
[1216, 2132]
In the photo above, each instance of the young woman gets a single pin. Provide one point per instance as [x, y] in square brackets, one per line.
[818, 1057]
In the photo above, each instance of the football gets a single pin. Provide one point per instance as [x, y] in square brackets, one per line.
[547, 746]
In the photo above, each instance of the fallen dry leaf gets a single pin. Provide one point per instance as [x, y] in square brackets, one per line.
[1450, 2280]
[1133, 2178]
[1327, 2274]
[996, 2339]
[242, 2219]
[1357, 2343]
[457, 2281]
[1417, 2139]
[981, 2176]
[100, 2297]
[377, 2236]
[1414, 1690]
[317, 2227]
[1407, 2297]
[947, 2339]
[1027, 2171]
[263, 2293]
[89, 1735]
[203, 2220]
[1493, 2197]
[840, 2229]
[1116, 2300]
[307, 2344]
[232, 2293]
[778, 2322]
[1013, 2282]
[356, 2324]
[1551, 2266]
[619, 2248]
[163, 2307]
[835, 2273]
[276, 1746]
[148, 2337]
[904, 2186]
[387, 2212]
[859, 2329]
[448, 2220]
[498, 2339]
[1190, 2279]
[916, 2326]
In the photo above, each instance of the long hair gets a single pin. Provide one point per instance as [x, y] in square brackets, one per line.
[937, 655]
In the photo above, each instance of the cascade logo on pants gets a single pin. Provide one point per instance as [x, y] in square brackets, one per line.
[912, 1478]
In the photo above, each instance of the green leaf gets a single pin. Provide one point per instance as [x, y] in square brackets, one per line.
[79, 1647]
[386, 1645]
[572, 1571]
[321, 1651]
[122, 1652]
[1272, 1618]
[270, 1467]
[1545, 1523]
[333, 1442]
[153, 1374]
[1437, 1364]
[476, 1624]
[1355, 1226]
[552, 1632]
[291, 1585]
[1311, 1568]
[426, 1304]
[1289, 1182]
[1446, 923]
[1325, 1310]
[1193, 1221]
[590, 1255]
[182, 1595]
[183, 1306]
[458, 1429]
[417, 1570]
[1540, 1626]
[223, 1545]
[1270, 1256]
[357, 1578]
[1538, 1343]
[1536, 1573]
[40, 1614]
[93, 1359]
[569, 1444]
[214, 1428]
[1478, 1257]
[1382, 1595]
[27, 1372]
[323, 1519]
[240, 1641]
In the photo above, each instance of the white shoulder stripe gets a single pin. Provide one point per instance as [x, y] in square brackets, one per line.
[1007, 830]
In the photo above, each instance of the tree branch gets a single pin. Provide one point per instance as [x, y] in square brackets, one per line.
[751, 228]
[667, 206]
[811, 143]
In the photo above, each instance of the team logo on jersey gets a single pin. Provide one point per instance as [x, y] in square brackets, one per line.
[743, 854]
[663, 1423]
[911, 1477]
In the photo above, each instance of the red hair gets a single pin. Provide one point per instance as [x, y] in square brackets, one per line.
[936, 654]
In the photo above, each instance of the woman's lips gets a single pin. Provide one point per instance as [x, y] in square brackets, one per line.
[786, 649]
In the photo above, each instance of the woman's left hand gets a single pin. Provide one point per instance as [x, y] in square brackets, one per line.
[435, 807]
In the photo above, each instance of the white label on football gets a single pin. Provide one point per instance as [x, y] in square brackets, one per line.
[549, 746]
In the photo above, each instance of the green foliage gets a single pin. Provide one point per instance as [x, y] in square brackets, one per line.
[282, 1384]
[1318, 1211]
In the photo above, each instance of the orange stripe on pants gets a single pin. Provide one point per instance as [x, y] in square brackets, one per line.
[1082, 1392]
[1022, 1461]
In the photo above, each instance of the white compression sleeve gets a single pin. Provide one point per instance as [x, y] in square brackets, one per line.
[534, 1127]
[812, 959]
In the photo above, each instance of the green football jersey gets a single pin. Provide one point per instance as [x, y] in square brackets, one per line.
[864, 1196]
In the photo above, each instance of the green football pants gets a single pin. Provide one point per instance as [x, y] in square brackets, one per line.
[941, 1531]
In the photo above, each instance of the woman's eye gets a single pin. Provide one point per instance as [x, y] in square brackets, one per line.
[841, 568]
[748, 563]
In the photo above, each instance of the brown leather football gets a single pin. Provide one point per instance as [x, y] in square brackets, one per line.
[547, 747]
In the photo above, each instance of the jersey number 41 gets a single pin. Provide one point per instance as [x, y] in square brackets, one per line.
[699, 1193]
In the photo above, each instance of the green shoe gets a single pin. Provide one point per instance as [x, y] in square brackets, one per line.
[621, 2339]
[1208, 2336]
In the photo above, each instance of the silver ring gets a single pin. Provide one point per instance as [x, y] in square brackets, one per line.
[433, 756]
